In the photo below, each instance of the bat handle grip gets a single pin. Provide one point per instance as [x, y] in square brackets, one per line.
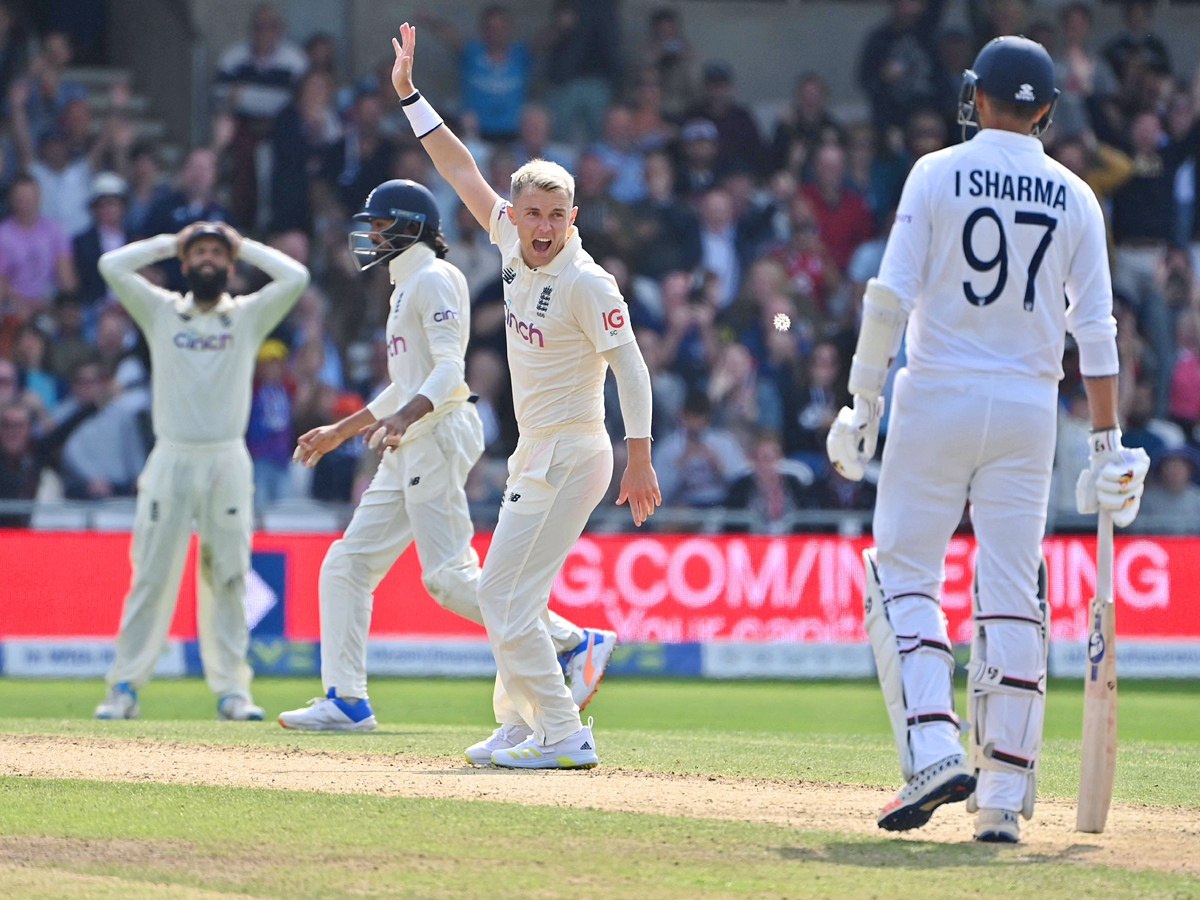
[1104, 555]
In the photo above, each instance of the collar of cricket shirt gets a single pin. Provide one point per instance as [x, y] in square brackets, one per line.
[417, 256]
[1009, 139]
[563, 257]
[187, 304]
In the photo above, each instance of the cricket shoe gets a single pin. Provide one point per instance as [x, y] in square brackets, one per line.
[238, 708]
[578, 751]
[502, 738]
[585, 664]
[331, 713]
[947, 781]
[120, 703]
[997, 826]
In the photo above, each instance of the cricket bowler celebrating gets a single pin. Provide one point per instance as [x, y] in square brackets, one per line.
[988, 236]
[566, 323]
[432, 435]
[203, 346]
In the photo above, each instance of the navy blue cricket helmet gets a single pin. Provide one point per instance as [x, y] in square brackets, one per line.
[413, 214]
[1010, 68]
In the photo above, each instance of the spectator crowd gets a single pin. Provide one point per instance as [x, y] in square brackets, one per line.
[712, 217]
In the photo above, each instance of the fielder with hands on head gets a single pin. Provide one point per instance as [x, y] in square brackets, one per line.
[203, 346]
[427, 422]
[565, 323]
[989, 235]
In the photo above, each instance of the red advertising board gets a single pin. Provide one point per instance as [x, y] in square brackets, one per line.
[649, 588]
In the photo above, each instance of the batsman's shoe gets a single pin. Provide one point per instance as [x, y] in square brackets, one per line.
[331, 713]
[578, 751]
[502, 738]
[238, 708]
[998, 826]
[120, 703]
[586, 663]
[948, 781]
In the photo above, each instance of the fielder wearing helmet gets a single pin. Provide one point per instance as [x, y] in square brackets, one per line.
[398, 213]
[1015, 73]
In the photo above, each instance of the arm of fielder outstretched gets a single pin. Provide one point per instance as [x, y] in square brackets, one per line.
[451, 158]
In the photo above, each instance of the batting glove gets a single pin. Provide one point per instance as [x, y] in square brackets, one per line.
[1114, 479]
[853, 435]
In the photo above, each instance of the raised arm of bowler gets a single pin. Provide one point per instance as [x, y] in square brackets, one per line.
[566, 324]
[427, 421]
[203, 346]
[989, 236]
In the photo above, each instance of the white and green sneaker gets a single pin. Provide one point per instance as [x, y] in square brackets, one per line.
[578, 751]
[502, 738]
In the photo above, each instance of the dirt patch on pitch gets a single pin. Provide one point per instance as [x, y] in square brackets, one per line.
[1138, 837]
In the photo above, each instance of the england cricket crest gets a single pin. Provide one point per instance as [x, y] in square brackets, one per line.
[543, 303]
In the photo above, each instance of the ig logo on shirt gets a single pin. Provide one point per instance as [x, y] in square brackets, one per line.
[613, 320]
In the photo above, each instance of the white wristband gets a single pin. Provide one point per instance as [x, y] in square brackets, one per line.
[1106, 440]
[421, 114]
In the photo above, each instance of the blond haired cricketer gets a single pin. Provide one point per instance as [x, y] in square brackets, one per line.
[566, 324]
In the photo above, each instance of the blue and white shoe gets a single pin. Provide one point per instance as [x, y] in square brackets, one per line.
[585, 664]
[946, 781]
[997, 826]
[238, 708]
[121, 702]
[331, 713]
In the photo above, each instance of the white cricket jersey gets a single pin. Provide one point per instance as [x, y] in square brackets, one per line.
[427, 331]
[202, 362]
[997, 252]
[558, 319]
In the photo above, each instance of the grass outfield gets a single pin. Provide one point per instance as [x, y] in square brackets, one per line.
[821, 731]
[76, 838]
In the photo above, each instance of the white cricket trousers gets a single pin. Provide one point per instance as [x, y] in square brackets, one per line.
[211, 485]
[555, 479]
[417, 495]
[947, 445]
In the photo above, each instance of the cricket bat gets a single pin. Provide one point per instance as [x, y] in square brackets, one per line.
[1099, 761]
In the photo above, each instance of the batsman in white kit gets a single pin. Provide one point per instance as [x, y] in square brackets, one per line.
[203, 347]
[566, 324]
[989, 236]
[431, 434]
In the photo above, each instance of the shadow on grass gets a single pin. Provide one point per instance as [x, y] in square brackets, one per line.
[906, 854]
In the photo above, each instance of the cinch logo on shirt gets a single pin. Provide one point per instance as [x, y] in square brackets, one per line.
[445, 315]
[524, 329]
[189, 340]
[396, 345]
